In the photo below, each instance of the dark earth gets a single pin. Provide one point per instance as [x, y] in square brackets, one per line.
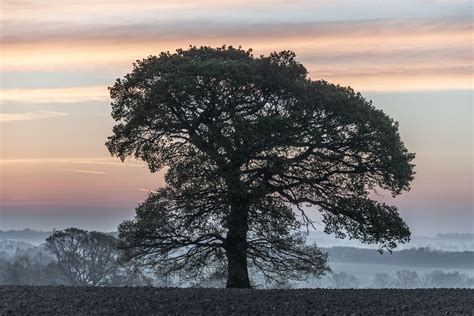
[62, 300]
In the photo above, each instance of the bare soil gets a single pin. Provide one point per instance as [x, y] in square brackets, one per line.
[63, 300]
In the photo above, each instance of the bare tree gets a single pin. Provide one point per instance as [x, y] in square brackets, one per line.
[85, 258]
[407, 279]
[426, 280]
[382, 280]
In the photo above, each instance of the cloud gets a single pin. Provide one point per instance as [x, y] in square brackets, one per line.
[86, 171]
[87, 161]
[28, 116]
[146, 190]
[127, 11]
[366, 51]
[49, 95]
[126, 164]
[366, 42]
[203, 28]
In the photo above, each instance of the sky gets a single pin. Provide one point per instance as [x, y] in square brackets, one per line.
[413, 58]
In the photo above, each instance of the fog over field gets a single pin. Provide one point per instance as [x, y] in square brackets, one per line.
[445, 260]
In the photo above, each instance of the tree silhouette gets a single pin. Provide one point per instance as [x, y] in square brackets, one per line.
[85, 258]
[249, 143]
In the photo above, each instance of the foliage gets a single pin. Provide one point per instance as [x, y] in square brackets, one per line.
[246, 141]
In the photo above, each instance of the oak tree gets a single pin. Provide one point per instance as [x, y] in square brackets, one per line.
[251, 146]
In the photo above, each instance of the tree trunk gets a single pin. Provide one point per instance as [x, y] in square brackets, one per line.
[236, 248]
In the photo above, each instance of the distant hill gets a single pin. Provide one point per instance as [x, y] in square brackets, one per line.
[30, 236]
[421, 257]
[444, 242]
[456, 236]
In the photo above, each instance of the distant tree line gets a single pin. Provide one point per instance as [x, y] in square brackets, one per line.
[72, 257]
[402, 279]
[434, 279]
[38, 269]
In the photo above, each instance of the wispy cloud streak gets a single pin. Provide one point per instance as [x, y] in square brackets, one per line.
[146, 190]
[28, 116]
[201, 28]
[48, 95]
[86, 171]
[87, 161]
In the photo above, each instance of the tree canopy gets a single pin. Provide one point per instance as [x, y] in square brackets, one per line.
[250, 144]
